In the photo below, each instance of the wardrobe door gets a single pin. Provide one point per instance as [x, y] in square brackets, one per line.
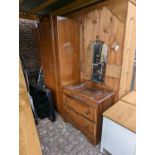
[60, 54]
[47, 56]
[67, 53]
[68, 47]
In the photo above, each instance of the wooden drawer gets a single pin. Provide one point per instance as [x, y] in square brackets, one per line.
[80, 108]
[83, 123]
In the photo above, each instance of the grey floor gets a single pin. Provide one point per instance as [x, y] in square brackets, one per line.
[60, 138]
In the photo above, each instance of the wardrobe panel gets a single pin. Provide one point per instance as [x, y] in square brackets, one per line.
[69, 51]
[47, 55]
[60, 54]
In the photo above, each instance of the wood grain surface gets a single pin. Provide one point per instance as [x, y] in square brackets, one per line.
[130, 98]
[84, 105]
[113, 71]
[123, 114]
[28, 137]
[103, 23]
[68, 52]
[129, 51]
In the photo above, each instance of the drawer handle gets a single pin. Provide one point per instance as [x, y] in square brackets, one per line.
[87, 112]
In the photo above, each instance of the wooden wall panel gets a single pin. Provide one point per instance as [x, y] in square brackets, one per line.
[101, 22]
[113, 71]
[133, 1]
[129, 51]
[28, 137]
[117, 7]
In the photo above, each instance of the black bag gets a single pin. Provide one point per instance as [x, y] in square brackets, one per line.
[43, 102]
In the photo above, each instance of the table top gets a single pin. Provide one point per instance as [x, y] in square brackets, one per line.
[130, 98]
[91, 93]
[123, 114]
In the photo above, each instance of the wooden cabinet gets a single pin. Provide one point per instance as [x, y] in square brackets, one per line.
[65, 46]
[80, 107]
[59, 54]
[66, 59]
[83, 107]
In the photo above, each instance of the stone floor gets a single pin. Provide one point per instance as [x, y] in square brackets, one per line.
[60, 138]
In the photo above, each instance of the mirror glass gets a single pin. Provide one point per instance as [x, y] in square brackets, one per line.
[99, 61]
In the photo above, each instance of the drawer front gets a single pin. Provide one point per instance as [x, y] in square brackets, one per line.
[85, 124]
[80, 108]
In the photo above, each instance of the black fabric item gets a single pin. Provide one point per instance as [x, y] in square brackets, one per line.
[43, 102]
